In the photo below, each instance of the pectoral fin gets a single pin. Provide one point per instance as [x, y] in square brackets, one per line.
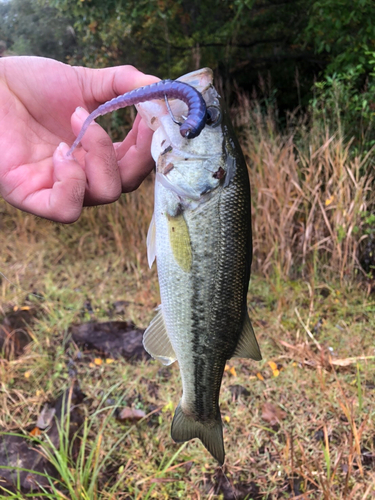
[247, 346]
[180, 241]
[151, 242]
[181, 191]
[156, 340]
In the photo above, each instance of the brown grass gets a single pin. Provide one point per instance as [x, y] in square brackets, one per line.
[309, 201]
[309, 195]
[306, 428]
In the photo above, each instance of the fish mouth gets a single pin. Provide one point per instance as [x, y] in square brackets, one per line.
[201, 79]
[154, 112]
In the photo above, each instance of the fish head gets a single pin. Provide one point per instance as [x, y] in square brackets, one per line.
[157, 115]
[190, 168]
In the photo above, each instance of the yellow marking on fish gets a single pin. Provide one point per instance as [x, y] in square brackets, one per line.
[180, 241]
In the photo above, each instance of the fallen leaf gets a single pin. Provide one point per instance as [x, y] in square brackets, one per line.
[329, 201]
[275, 370]
[131, 414]
[272, 414]
[27, 374]
[98, 361]
[232, 371]
[226, 418]
[35, 432]
[109, 361]
[260, 376]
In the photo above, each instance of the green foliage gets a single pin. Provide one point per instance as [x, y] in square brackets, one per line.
[343, 32]
[32, 27]
[343, 105]
[169, 38]
[285, 43]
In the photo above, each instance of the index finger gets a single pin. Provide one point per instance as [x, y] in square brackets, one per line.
[107, 83]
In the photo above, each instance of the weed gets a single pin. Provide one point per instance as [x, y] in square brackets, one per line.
[311, 200]
[316, 336]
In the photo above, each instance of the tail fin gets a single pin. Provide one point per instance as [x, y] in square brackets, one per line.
[210, 433]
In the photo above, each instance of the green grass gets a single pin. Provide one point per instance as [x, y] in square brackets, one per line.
[319, 334]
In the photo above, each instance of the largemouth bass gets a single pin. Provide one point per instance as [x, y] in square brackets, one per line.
[200, 235]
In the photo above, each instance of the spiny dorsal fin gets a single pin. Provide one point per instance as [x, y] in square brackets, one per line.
[151, 242]
[210, 433]
[247, 346]
[156, 340]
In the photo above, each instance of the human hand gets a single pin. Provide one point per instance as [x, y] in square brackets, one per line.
[38, 120]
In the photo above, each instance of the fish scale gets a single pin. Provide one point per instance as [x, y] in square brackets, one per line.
[201, 238]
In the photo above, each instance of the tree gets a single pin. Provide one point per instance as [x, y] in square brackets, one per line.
[30, 27]
[343, 33]
[237, 38]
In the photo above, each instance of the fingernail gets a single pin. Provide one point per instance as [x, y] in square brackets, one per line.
[81, 112]
[63, 149]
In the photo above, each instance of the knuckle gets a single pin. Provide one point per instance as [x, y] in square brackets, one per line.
[77, 194]
[104, 143]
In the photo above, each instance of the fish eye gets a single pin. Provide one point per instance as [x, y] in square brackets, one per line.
[213, 117]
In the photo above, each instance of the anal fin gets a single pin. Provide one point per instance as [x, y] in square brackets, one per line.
[156, 340]
[247, 346]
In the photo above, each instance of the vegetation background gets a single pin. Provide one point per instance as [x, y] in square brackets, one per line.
[299, 77]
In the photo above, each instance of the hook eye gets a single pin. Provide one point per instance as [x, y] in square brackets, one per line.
[213, 117]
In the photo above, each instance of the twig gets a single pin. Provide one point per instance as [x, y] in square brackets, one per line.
[307, 330]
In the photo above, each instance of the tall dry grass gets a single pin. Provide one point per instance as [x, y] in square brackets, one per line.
[310, 200]
[30, 244]
[310, 195]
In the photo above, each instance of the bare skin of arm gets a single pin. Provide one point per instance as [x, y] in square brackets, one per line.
[38, 123]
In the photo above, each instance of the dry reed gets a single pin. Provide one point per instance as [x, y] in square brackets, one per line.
[309, 195]
[309, 202]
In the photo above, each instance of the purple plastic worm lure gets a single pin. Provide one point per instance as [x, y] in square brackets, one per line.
[190, 128]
